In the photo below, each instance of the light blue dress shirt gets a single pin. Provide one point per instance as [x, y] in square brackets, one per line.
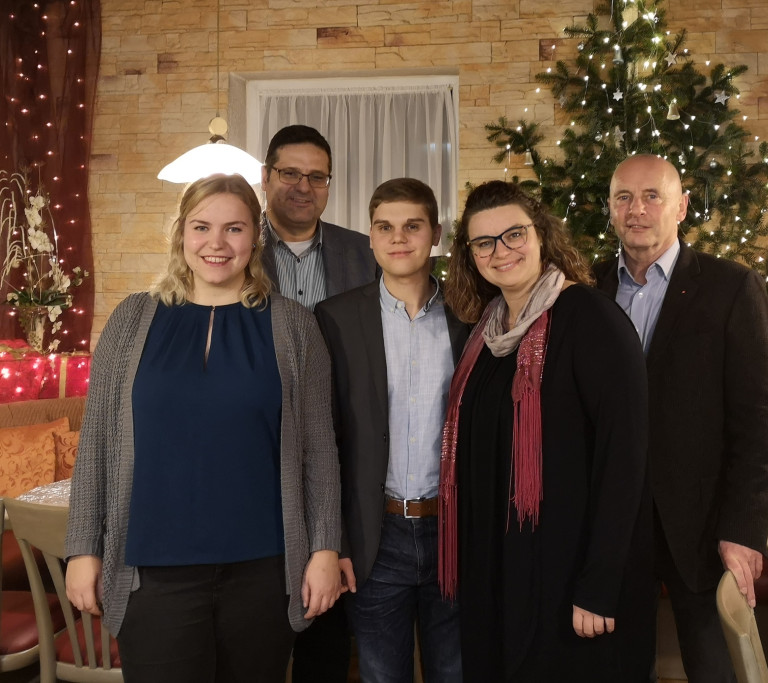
[642, 303]
[419, 371]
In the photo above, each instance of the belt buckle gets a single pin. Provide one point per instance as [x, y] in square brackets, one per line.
[405, 509]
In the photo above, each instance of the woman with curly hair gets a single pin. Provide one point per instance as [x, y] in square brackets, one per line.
[543, 497]
[205, 515]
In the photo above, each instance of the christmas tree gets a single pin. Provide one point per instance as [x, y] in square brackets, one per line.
[634, 88]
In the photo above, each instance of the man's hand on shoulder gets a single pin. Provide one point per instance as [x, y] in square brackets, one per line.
[746, 565]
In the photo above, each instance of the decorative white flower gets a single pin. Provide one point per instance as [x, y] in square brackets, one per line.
[33, 217]
[30, 269]
[39, 240]
[61, 281]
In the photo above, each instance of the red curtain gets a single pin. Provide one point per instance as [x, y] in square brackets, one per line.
[49, 63]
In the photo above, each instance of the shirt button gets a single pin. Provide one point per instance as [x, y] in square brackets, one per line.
[301, 292]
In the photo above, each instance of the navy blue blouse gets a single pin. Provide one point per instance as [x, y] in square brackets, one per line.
[206, 480]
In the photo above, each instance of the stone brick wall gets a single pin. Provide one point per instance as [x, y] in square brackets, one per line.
[157, 88]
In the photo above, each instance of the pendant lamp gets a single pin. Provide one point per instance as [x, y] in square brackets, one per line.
[216, 156]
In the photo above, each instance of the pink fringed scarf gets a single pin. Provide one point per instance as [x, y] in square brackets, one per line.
[530, 332]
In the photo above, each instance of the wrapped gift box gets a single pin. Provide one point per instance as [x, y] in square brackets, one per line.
[26, 375]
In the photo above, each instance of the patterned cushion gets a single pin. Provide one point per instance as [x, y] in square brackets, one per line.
[29, 456]
[66, 452]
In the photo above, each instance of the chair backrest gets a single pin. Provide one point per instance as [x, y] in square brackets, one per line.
[44, 527]
[741, 635]
[19, 642]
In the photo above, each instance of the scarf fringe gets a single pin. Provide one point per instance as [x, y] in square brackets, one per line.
[447, 510]
[527, 493]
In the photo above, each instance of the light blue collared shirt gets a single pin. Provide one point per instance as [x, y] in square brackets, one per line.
[642, 303]
[419, 371]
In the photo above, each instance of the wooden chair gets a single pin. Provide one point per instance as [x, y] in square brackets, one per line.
[83, 651]
[740, 629]
[19, 641]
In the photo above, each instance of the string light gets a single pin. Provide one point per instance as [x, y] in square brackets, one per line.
[30, 96]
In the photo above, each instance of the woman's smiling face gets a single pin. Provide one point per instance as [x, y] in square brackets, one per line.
[513, 271]
[218, 242]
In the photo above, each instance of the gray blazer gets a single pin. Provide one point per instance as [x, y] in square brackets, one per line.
[347, 259]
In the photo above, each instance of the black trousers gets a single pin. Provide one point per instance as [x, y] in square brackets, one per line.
[223, 623]
[321, 653]
[702, 643]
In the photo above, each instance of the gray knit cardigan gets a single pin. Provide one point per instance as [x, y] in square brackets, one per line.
[103, 477]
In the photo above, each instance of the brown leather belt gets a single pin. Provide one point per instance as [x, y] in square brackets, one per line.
[412, 508]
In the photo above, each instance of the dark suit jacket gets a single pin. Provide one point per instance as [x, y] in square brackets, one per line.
[708, 391]
[347, 259]
[351, 325]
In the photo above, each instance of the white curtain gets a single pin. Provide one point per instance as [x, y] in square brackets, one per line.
[375, 133]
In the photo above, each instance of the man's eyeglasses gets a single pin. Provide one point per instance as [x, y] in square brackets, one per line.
[292, 176]
[512, 238]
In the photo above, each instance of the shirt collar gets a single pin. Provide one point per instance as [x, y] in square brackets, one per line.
[665, 262]
[317, 238]
[390, 302]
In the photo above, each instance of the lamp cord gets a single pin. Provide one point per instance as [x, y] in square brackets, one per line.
[218, 59]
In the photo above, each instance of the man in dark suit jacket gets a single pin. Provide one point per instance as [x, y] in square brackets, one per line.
[393, 347]
[703, 322]
[309, 260]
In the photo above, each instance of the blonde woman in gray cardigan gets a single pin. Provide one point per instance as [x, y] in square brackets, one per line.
[204, 521]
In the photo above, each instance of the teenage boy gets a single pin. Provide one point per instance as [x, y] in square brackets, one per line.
[393, 347]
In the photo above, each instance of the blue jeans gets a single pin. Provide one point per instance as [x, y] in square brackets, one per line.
[401, 587]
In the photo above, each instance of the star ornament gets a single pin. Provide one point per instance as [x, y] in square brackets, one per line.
[671, 59]
[617, 95]
[619, 134]
[721, 97]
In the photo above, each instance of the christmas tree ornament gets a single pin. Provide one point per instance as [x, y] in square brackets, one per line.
[528, 158]
[619, 134]
[721, 97]
[673, 114]
[682, 159]
[617, 95]
[671, 59]
[618, 58]
[712, 164]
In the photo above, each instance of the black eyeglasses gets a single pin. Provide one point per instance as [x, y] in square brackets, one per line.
[293, 176]
[512, 238]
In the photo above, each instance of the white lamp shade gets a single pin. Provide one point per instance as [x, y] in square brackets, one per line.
[211, 158]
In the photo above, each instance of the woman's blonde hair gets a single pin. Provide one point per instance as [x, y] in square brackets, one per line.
[177, 285]
[466, 291]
